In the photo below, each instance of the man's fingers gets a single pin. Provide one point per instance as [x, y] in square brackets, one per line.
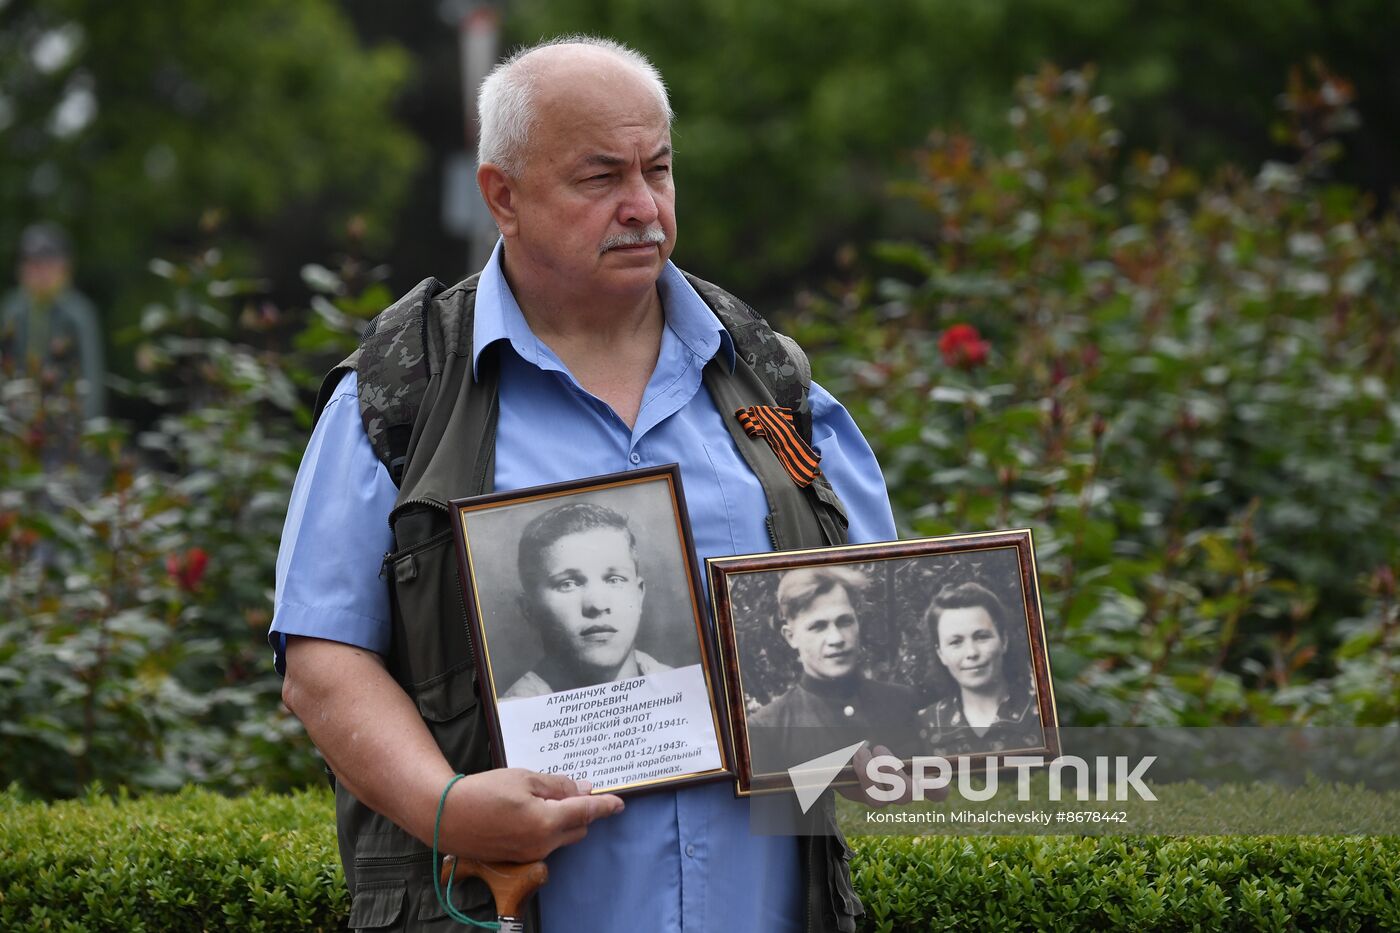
[567, 807]
[601, 805]
[575, 813]
[854, 793]
[564, 791]
[861, 763]
[555, 786]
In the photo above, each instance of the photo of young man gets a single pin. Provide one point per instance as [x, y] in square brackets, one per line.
[833, 702]
[583, 593]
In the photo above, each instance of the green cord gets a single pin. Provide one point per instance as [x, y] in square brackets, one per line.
[445, 902]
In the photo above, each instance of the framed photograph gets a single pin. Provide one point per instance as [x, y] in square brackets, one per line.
[928, 647]
[590, 644]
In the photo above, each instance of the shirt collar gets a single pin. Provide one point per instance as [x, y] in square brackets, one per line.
[1012, 709]
[498, 317]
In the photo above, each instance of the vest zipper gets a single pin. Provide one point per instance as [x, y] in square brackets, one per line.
[422, 500]
[388, 860]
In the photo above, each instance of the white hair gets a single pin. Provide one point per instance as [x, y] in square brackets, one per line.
[505, 104]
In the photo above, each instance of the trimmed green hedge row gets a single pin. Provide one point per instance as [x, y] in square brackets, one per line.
[198, 861]
[188, 861]
[1130, 883]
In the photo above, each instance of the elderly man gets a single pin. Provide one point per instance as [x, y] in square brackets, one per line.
[579, 350]
[833, 704]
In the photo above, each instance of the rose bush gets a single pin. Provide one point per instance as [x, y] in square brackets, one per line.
[1187, 389]
[136, 574]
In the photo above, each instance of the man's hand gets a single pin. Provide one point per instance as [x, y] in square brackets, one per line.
[861, 794]
[370, 732]
[514, 815]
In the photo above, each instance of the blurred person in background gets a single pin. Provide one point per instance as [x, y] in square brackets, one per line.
[48, 329]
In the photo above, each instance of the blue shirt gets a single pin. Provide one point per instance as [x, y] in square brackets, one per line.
[684, 860]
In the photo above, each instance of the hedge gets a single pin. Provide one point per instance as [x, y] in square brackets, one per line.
[187, 861]
[196, 860]
[1132, 882]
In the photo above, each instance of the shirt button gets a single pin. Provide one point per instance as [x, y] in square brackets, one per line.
[690, 851]
[635, 458]
[849, 711]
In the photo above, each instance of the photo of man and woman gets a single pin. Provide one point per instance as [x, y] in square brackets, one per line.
[930, 647]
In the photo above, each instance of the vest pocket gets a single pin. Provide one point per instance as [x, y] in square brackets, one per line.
[431, 652]
[472, 897]
[395, 892]
[429, 636]
[448, 695]
[377, 905]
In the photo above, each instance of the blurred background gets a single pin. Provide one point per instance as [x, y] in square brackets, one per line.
[1123, 273]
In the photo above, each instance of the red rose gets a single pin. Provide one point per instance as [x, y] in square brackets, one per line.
[187, 569]
[1384, 581]
[962, 346]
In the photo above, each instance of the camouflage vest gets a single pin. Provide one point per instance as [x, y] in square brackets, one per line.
[432, 423]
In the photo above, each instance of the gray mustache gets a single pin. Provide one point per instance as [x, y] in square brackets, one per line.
[652, 237]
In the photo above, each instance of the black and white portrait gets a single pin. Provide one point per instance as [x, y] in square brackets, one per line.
[930, 647]
[981, 689]
[582, 589]
[590, 644]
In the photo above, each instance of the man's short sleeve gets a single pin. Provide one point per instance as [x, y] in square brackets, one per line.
[851, 467]
[335, 537]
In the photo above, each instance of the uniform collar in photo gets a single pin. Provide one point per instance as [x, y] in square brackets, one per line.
[840, 688]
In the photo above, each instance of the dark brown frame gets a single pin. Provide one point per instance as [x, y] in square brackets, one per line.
[721, 570]
[669, 474]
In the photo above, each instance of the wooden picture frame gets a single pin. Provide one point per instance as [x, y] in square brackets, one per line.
[592, 654]
[796, 688]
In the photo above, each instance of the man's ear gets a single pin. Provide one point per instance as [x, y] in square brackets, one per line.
[498, 190]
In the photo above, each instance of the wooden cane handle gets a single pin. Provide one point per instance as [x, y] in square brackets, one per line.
[511, 883]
